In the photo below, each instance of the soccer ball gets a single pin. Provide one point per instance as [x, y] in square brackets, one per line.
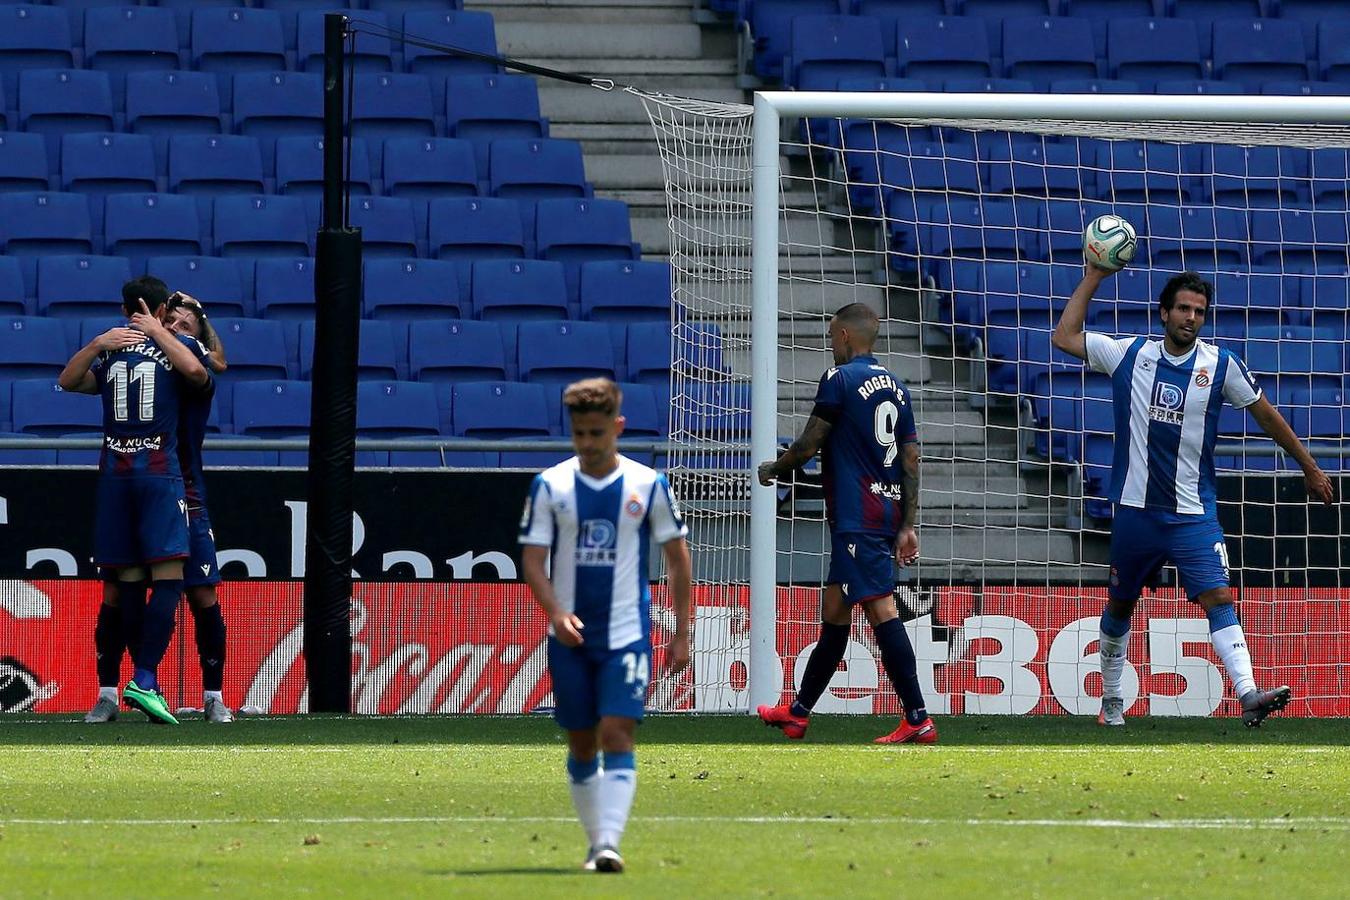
[1109, 243]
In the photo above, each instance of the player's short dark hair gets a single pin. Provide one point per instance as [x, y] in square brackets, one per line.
[1186, 281]
[860, 318]
[593, 395]
[153, 291]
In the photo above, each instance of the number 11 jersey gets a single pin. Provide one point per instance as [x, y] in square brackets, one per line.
[141, 398]
[870, 418]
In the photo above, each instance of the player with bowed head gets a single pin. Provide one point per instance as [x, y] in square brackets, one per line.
[863, 425]
[1167, 395]
[201, 575]
[141, 523]
[593, 518]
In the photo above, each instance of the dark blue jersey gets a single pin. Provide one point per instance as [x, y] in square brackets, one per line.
[191, 432]
[870, 415]
[141, 396]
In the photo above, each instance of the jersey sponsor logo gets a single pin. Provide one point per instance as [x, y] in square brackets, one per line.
[894, 492]
[134, 444]
[876, 383]
[1167, 403]
[596, 543]
[1202, 378]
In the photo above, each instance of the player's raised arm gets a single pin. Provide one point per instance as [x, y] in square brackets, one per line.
[1069, 335]
[1274, 425]
[76, 377]
[807, 445]
[205, 332]
[182, 358]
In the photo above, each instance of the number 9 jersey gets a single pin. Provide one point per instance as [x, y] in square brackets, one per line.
[870, 417]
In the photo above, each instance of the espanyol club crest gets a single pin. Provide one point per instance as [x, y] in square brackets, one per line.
[1202, 378]
[634, 506]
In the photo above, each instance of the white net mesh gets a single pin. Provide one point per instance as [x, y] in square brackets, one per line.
[965, 236]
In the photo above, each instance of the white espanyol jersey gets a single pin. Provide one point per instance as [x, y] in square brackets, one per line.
[600, 531]
[1167, 418]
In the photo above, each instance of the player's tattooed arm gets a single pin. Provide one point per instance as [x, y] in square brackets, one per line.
[797, 455]
[76, 377]
[1273, 424]
[907, 540]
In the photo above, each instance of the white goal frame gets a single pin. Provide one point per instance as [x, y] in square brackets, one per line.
[1255, 120]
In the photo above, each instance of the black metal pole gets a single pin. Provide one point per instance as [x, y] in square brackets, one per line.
[332, 434]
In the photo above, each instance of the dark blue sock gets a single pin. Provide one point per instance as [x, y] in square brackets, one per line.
[1113, 627]
[157, 629]
[821, 666]
[210, 630]
[901, 667]
[131, 604]
[1221, 616]
[108, 645]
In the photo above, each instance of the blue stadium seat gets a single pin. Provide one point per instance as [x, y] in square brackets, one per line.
[290, 11]
[1039, 169]
[39, 406]
[228, 41]
[1327, 173]
[395, 409]
[698, 353]
[1147, 51]
[31, 347]
[1141, 172]
[256, 350]
[76, 286]
[519, 290]
[1305, 89]
[32, 37]
[143, 225]
[1205, 13]
[1197, 237]
[299, 167]
[1308, 14]
[390, 105]
[1250, 51]
[824, 49]
[576, 231]
[182, 10]
[718, 411]
[985, 228]
[395, 10]
[406, 289]
[1094, 86]
[1326, 302]
[1333, 50]
[53, 102]
[372, 50]
[892, 11]
[625, 291]
[13, 297]
[28, 456]
[1246, 300]
[42, 223]
[1295, 358]
[1041, 49]
[940, 48]
[423, 168]
[487, 107]
[271, 408]
[213, 165]
[456, 351]
[467, 30]
[388, 227]
[1198, 86]
[770, 24]
[239, 454]
[1256, 177]
[494, 410]
[537, 169]
[257, 225]
[1100, 12]
[284, 289]
[98, 164]
[1300, 240]
[475, 228]
[274, 105]
[376, 358]
[1057, 411]
[213, 281]
[23, 162]
[164, 104]
[562, 352]
[124, 39]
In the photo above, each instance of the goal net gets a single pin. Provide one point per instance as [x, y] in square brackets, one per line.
[959, 219]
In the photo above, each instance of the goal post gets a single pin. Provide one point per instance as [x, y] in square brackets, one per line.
[996, 607]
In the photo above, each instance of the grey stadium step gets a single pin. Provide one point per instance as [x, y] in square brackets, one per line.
[562, 39]
[590, 11]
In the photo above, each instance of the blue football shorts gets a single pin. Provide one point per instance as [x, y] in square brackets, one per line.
[201, 568]
[139, 521]
[1143, 541]
[863, 565]
[590, 683]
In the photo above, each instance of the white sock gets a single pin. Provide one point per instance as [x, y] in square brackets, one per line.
[618, 783]
[584, 781]
[1113, 652]
[212, 695]
[1231, 645]
[107, 693]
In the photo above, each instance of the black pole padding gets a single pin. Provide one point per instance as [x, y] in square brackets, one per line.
[332, 458]
[334, 87]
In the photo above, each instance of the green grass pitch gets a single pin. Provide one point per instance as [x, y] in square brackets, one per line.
[478, 807]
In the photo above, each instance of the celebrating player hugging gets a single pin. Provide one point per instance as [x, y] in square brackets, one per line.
[598, 513]
[863, 423]
[1167, 396]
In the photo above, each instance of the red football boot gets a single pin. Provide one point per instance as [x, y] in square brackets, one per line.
[923, 733]
[781, 717]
